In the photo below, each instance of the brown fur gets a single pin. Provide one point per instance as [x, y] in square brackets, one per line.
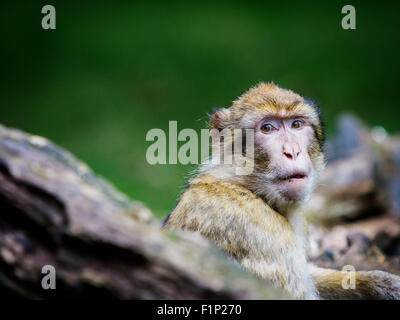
[218, 215]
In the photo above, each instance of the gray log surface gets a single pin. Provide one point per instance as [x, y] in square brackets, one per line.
[55, 211]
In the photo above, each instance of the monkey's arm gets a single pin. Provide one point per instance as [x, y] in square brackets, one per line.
[368, 284]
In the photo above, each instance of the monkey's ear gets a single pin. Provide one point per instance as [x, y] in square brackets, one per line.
[219, 119]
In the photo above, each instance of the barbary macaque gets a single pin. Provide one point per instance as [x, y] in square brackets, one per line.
[256, 217]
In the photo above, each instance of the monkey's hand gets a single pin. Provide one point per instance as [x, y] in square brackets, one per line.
[331, 284]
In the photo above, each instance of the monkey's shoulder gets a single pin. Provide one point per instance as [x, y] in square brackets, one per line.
[210, 204]
[224, 191]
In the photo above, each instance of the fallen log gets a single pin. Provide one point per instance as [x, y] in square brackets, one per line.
[55, 211]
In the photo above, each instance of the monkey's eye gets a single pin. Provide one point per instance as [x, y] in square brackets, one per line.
[267, 127]
[297, 124]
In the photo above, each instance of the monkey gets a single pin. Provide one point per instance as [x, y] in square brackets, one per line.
[256, 218]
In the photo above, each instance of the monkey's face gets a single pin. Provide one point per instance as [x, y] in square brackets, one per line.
[282, 148]
[288, 138]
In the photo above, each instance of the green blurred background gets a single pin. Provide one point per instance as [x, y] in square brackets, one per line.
[111, 71]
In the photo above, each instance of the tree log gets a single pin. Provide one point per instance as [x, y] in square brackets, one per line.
[55, 211]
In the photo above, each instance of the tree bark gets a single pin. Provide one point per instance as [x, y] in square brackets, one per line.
[55, 211]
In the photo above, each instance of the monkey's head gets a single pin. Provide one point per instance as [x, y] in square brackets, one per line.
[288, 143]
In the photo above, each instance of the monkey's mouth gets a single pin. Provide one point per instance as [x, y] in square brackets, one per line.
[296, 176]
[293, 186]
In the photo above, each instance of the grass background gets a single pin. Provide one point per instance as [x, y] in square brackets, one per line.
[111, 71]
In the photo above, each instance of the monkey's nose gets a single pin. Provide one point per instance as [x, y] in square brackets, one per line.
[291, 150]
[288, 155]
